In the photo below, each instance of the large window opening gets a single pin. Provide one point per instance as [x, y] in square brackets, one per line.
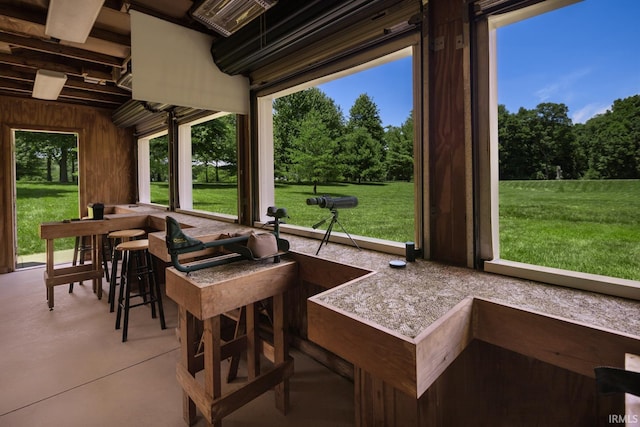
[567, 117]
[211, 165]
[46, 182]
[348, 135]
[153, 169]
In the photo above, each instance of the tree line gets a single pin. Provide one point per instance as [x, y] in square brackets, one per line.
[315, 143]
[543, 143]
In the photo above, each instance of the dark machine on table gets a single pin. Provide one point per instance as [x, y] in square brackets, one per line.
[239, 247]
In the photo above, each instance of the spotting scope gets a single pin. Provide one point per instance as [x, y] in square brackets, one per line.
[330, 203]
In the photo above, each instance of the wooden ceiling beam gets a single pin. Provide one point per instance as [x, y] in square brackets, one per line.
[98, 88]
[11, 87]
[83, 95]
[60, 50]
[43, 63]
[15, 86]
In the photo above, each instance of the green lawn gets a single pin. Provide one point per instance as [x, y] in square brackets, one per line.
[40, 202]
[590, 226]
[384, 210]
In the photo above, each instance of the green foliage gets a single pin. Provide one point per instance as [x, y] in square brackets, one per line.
[312, 143]
[611, 141]
[288, 112]
[361, 156]
[213, 143]
[39, 154]
[159, 158]
[399, 142]
[365, 114]
[537, 144]
[313, 152]
[543, 143]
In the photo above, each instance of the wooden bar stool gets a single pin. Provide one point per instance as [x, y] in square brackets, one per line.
[136, 262]
[116, 237]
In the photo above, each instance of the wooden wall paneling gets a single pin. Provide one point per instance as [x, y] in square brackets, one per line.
[106, 160]
[488, 385]
[503, 388]
[447, 134]
[107, 169]
[356, 340]
[572, 346]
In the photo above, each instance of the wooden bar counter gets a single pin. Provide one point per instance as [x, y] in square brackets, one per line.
[206, 295]
[94, 229]
[438, 345]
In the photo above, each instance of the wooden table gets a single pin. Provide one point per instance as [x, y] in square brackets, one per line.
[92, 270]
[88, 271]
[206, 295]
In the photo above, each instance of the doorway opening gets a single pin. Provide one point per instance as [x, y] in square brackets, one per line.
[46, 189]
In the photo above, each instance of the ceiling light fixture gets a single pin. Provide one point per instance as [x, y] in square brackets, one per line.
[228, 16]
[48, 84]
[72, 20]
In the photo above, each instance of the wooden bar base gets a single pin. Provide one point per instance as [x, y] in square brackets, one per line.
[201, 297]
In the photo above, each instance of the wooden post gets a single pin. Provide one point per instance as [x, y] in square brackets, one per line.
[280, 345]
[187, 359]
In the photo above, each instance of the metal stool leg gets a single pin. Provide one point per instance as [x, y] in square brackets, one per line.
[113, 281]
[156, 289]
[123, 287]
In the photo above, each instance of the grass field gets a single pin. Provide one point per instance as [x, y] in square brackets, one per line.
[384, 210]
[39, 202]
[589, 226]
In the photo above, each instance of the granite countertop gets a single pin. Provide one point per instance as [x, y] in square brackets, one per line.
[232, 270]
[408, 300]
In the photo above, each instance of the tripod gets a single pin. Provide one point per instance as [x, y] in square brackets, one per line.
[334, 219]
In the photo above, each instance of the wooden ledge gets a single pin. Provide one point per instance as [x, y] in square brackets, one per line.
[413, 365]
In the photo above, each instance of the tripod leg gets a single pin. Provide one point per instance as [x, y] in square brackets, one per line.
[348, 235]
[325, 239]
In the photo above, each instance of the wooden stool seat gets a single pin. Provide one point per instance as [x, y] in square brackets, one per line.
[115, 238]
[133, 245]
[127, 234]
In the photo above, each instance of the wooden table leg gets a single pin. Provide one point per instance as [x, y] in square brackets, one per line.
[253, 342]
[97, 262]
[50, 272]
[187, 359]
[212, 362]
[280, 348]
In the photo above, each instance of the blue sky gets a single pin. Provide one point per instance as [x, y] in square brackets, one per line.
[585, 55]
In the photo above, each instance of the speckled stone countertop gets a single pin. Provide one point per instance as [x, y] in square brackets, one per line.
[233, 270]
[408, 300]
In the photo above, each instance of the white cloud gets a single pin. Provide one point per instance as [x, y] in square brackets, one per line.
[561, 87]
[588, 111]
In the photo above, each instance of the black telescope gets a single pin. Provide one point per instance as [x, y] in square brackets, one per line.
[330, 203]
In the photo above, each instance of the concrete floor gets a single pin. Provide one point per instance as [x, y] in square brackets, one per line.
[68, 367]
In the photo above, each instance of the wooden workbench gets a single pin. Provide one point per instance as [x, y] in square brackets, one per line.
[92, 270]
[206, 295]
[439, 345]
